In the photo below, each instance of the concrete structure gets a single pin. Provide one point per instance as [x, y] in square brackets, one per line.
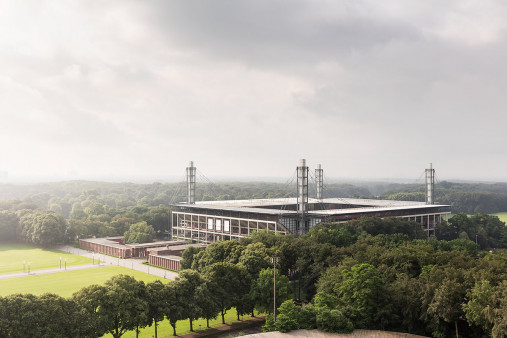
[169, 257]
[319, 182]
[213, 221]
[430, 184]
[113, 246]
[191, 173]
[302, 197]
[166, 262]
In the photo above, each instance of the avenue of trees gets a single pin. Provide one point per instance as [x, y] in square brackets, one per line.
[124, 304]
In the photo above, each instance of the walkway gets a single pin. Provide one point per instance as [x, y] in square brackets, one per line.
[46, 271]
[129, 263]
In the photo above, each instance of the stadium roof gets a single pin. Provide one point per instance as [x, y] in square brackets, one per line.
[354, 205]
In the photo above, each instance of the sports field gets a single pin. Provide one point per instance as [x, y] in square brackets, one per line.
[13, 256]
[68, 282]
[502, 216]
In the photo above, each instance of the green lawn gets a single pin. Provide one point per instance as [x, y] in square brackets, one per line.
[66, 283]
[502, 216]
[183, 326]
[12, 257]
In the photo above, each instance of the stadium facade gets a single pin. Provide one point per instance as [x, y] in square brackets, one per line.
[212, 221]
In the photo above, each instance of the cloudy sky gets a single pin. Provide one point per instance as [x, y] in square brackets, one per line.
[127, 89]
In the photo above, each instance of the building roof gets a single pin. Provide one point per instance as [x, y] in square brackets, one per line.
[264, 206]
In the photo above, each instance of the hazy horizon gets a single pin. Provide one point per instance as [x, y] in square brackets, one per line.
[133, 90]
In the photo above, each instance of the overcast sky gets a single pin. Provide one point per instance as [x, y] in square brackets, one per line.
[136, 89]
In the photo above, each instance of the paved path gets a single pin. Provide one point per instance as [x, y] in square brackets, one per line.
[130, 263]
[46, 271]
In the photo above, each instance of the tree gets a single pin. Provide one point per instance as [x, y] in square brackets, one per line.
[499, 316]
[333, 320]
[126, 303]
[94, 319]
[228, 282]
[174, 304]
[139, 232]
[224, 251]
[262, 290]
[209, 302]
[308, 317]
[44, 228]
[156, 302]
[288, 316]
[188, 257]
[447, 303]
[254, 258]
[60, 317]
[188, 283]
[479, 308]
[19, 310]
[8, 225]
[359, 292]
[118, 306]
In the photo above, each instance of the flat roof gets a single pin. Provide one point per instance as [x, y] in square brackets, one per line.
[359, 206]
[175, 258]
[105, 241]
[156, 244]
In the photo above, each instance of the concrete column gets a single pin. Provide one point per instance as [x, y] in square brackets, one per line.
[191, 171]
[319, 181]
[430, 184]
[302, 199]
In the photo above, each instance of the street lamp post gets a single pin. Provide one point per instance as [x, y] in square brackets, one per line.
[274, 261]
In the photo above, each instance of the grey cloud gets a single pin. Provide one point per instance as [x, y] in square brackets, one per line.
[276, 32]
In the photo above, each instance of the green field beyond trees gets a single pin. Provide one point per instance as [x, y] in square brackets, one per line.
[68, 282]
[12, 257]
[502, 216]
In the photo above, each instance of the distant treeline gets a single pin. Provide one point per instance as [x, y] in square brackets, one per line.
[469, 198]
[63, 196]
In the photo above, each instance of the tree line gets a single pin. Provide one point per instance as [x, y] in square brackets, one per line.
[379, 274]
[124, 304]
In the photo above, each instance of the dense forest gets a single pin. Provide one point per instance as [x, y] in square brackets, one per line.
[368, 273]
[63, 197]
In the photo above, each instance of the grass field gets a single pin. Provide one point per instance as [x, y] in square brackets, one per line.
[12, 257]
[502, 216]
[66, 283]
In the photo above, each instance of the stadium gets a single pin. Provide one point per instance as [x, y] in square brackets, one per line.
[212, 221]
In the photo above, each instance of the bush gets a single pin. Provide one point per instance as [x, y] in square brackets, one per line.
[269, 325]
[307, 317]
[333, 321]
[287, 320]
